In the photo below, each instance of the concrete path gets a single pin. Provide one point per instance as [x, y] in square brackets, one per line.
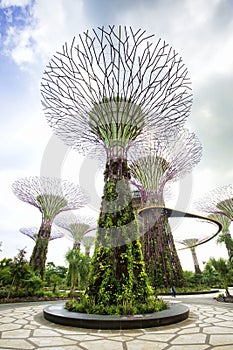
[210, 326]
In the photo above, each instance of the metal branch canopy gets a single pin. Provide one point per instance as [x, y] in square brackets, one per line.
[32, 232]
[218, 201]
[50, 195]
[76, 225]
[157, 161]
[111, 82]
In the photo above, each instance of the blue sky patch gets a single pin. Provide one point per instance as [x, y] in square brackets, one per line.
[17, 17]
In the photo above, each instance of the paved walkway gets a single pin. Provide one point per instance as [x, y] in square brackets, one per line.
[210, 326]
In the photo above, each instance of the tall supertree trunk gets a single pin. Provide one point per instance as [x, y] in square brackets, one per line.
[195, 261]
[40, 250]
[117, 272]
[160, 256]
[177, 271]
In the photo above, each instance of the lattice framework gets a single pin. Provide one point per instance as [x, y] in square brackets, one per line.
[32, 232]
[82, 84]
[218, 201]
[50, 195]
[76, 225]
[158, 162]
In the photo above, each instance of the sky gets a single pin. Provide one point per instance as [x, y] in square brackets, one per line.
[32, 31]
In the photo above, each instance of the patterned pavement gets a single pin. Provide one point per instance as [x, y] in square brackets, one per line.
[209, 326]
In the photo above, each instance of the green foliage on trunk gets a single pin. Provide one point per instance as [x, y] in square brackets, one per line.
[40, 250]
[161, 259]
[118, 274]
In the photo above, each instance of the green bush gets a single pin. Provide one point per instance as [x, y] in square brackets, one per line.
[86, 305]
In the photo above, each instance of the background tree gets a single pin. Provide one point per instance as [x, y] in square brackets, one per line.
[6, 272]
[224, 269]
[19, 277]
[76, 225]
[154, 164]
[51, 196]
[191, 243]
[103, 90]
[55, 275]
[210, 276]
[79, 267]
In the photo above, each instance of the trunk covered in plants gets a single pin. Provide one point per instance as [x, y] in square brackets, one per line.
[40, 250]
[161, 259]
[117, 272]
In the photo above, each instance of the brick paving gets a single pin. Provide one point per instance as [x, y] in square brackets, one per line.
[209, 326]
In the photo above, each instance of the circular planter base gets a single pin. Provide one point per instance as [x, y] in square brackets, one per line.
[58, 314]
[211, 291]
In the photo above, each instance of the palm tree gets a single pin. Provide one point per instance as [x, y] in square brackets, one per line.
[78, 269]
[224, 270]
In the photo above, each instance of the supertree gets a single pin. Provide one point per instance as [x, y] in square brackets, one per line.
[191, 243]
[32, 232]
[51, 196]
[218, 203]
[153, 165]
[88, 240]
[158, 162]
[103, 90]
[76, 225]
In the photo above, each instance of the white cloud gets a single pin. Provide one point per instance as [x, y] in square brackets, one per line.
[52, 23]
[6, 3]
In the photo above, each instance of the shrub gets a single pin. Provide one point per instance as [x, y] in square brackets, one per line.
[87, 305]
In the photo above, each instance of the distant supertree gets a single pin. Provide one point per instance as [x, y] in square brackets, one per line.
[103, 90]
[88, 240]
[191, 243]
[76, 225]
[158, 162]
[153, 165]
[32, 232]
[218, 203]
[51, 196]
